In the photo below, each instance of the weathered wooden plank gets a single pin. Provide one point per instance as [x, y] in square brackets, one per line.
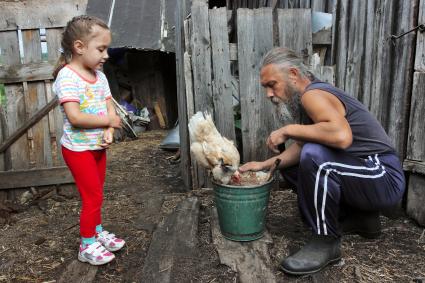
[233, 51]
[420, 41]
[35, 177]
[39, 14]
[402, 60]
[416, 198]
[34, 71]
[18, 153]
[53, 39]
[40, 142]
[255, 39]
[354, 66]
[251, 260]
[416, 138]
[414, 166]
[174, 244]
[181, 95]
[201, 66]
[222, 85]
[340, 40]
[78, 272]
[295, 30]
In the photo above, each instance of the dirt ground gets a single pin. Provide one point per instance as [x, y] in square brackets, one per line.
[40, 238]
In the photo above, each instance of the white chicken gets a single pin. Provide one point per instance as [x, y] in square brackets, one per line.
[212, 150]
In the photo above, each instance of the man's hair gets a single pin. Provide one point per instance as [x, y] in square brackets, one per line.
[285, 58]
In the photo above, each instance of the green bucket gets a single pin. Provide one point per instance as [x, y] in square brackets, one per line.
[242, 210]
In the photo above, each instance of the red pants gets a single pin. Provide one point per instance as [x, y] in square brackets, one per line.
[88, 169]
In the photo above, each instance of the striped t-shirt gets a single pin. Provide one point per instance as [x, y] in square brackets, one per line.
[69, 86]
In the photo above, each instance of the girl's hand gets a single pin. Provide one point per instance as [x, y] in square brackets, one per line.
[108, 138]
[114, 121]
[276, 138]
[252, 166]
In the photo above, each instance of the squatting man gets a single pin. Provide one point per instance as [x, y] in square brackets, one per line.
[342, 163]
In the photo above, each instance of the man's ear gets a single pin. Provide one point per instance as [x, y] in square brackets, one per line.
[293, 73]
[79, 47]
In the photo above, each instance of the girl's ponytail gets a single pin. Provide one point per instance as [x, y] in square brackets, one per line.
[59, 65]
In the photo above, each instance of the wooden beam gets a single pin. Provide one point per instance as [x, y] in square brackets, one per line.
[35, 177]
[414, 166]
[38, 71]
[28, 124]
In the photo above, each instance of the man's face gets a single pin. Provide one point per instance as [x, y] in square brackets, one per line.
[281, 93]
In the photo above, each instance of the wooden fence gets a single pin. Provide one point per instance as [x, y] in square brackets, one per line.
[30, 36]
[379, 70]
[215, 70]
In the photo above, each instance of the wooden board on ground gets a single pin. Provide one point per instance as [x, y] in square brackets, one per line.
[78, 272]
[250, 259]
[173, 245]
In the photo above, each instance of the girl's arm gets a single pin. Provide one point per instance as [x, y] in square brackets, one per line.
[84, 120]
[112, 114]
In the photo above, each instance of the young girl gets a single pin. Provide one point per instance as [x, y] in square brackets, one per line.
[89, 122]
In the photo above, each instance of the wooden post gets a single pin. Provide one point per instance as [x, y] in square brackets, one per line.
[181, 95]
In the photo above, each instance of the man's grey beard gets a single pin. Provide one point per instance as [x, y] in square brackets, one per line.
[289, 112]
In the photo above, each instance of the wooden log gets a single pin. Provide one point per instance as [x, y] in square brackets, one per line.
[28, 124]
[174, 244]
[255, 39]
[201, 66]
[251, 260]
[35, 177]
[416, 136]
[33, 71]
[78, 272]
[222, 84]
[39, 14]
[181, 95]
[416, 198]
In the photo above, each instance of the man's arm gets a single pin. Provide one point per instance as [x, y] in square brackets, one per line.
[329, 124]
[288, 158]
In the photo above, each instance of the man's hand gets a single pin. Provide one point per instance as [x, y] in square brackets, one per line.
[252, 166]
[275, 139]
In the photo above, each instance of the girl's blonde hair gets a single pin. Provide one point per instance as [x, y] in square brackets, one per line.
[79, 28]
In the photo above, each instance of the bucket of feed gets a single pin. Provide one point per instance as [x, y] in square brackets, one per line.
[241, 198]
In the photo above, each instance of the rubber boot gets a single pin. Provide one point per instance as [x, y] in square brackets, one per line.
[314, 256]
[363, 223]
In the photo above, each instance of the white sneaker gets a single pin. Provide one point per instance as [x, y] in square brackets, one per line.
[110, 241]
[95, 254]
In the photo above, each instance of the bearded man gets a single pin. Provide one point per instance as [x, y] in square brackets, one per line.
[341, 162]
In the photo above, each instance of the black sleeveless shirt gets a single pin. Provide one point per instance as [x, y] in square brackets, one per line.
[369, 137]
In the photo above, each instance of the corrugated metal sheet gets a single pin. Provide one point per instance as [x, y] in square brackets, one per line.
[141, 24]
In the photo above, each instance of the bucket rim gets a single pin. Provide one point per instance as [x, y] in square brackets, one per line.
[242, 187]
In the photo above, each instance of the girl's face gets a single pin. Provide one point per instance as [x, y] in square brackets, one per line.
[94, 50]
